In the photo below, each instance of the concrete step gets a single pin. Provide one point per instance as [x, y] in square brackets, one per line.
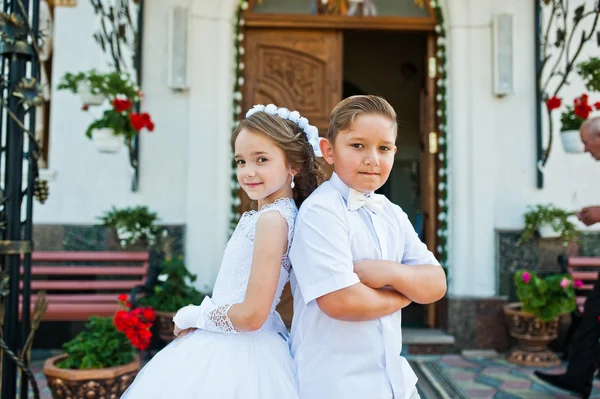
[426, 341]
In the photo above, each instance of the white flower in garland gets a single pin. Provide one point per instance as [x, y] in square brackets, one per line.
[438, 29]
[441, 203]
[441, 141]
[441, 156]
[241, 81]
[241, 66]
[303, 123]
[439, 112]
[294, 116]
[241, 50]
[244, 5]
[441, 186]
[283, 113]
[238, 109]
[271, 109]
[442, 172]
[237, 96]
[242, 22]
[440, 54]
[442, 217]
[240, 37]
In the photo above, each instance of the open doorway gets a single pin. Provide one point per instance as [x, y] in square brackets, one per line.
[392, 65]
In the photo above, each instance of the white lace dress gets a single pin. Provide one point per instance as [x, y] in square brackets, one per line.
[215, 361]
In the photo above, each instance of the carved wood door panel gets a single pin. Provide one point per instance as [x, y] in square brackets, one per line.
[297, 69]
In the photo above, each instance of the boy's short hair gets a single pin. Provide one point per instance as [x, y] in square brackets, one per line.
[345, 112]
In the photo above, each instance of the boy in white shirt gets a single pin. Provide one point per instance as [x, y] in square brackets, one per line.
[356, 262]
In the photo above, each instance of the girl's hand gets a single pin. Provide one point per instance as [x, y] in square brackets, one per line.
[180, 333]
[373, 273]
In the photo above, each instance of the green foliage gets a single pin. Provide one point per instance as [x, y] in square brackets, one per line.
[111, 119]
[545, 298]
[540, 215]
[570, 121]
[176, 290]
[590, 72]
[135, 225]
[110, 84]
[100, 345]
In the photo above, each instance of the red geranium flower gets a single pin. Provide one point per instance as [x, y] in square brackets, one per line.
[121, 104]
[553, 103]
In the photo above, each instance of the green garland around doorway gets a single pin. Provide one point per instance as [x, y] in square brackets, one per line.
[442, 232]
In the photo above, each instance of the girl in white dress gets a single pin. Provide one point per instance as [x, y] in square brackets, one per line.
[235, 345]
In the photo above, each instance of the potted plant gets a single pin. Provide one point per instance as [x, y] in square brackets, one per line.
[534, 320]
[94, 88]
[174, 292]
[571, 120]
[118, 124]
[134, 227]
[101, 359]
[549, 221]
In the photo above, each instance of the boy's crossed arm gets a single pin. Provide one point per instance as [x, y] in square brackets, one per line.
[361, 303]
[423, 283]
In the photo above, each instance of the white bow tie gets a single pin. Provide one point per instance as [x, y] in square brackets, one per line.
[356, 200]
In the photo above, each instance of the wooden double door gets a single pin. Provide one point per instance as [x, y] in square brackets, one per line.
[302, 69]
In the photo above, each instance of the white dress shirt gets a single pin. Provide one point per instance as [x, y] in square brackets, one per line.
[339, 359]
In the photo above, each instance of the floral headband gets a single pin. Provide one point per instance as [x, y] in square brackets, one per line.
[312, 133]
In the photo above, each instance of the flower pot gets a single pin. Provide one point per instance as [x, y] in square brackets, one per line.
[106, 141]
[165, 325]
[110, 382]
[86, 95]
[547, 231]
[533, 337]
[571, 141]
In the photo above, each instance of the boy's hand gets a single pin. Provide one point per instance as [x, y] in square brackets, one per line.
[373, 273]
[180, 333]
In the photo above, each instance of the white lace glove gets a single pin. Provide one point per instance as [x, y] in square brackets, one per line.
[207, 316]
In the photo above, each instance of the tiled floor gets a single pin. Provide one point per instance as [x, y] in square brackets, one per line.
[476, 378]
[486, 378]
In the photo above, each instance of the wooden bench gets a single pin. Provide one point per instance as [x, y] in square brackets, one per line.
[83, 284]
[584, 268]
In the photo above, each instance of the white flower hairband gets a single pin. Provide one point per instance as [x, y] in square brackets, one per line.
[312, 133]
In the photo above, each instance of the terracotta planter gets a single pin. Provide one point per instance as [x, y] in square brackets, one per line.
[533, 337]
[164, 323]
[107, 383]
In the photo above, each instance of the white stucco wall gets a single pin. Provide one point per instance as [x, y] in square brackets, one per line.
[493, 144]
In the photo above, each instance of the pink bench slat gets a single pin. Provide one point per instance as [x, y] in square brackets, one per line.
[76, 311]
[84, 285]
[95, 270]
[583, 275]
[66, 256]
[582, 261]
[78, 298]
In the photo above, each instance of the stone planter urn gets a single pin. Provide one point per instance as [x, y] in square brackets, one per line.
[106, 383]
[165, 325]
[533, 337]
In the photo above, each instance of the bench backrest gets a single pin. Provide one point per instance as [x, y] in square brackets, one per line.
[79, 271]
[586, 269]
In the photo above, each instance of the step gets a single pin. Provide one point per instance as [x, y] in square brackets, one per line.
[421, 341]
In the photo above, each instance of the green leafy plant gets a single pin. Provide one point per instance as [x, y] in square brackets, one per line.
[176, 289]
[111, 84]
[110, 341]
[545, 298]
[590, 72]
[100, 345]
[133, 225]
[540, 215]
